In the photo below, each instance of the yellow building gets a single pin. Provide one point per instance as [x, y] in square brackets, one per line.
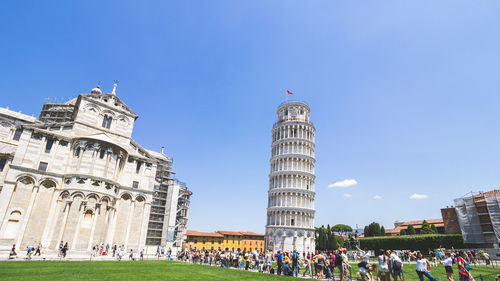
[221, 240]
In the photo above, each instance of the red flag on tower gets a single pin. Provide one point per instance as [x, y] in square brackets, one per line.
[288, 92]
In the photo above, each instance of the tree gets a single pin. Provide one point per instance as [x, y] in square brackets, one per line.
[341, 229]
[410, 230]
[426, 228]
[402, 232]
[382, 231]
[373, 229]
[323, 238]
[434, 229]
[332, 241]
[366, 231]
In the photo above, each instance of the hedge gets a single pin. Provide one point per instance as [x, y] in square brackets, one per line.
[414, 243]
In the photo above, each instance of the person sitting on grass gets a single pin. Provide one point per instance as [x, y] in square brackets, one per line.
[287, 270]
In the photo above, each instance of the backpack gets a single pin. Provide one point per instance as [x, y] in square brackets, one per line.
[271, 271]
[397, 265]
[338, 259]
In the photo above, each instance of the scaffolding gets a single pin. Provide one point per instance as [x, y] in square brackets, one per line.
[56, 113]
[156, 223]
[479, 217]
[493, 204]
[169, 208]
[181, 217]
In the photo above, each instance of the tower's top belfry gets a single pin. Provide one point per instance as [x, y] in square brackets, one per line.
[293, 111]
[290, 212]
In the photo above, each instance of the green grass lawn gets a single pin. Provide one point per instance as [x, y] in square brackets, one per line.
[164, 270]
[123, 270]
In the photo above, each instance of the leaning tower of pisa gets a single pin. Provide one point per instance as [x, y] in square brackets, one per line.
[290, 212]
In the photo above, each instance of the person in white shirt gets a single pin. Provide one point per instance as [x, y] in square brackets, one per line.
[422, 265]
[396, 266]
[448, 262]
[383, 269]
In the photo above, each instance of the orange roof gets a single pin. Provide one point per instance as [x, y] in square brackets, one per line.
[480, 197]
[495, 191]
[436, 222]
[205, 234]
[394, 230]
[223, 232]
[251, 234]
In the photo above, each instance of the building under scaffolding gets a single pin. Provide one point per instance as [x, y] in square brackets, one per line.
[169, 209]
[479, 218]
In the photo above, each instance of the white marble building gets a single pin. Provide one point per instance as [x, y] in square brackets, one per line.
[76, 175]
[290, 212]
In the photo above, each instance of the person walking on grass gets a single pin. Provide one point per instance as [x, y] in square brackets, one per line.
[424, 268]
[295, 263]
[448, 262]
[307, 266]
[383, 267]
[463, 267]
[279, 261]
[339, 264]
[269, 261]
[396, 266]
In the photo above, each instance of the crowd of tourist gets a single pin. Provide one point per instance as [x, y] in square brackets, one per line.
[387, 265]
[320, 265]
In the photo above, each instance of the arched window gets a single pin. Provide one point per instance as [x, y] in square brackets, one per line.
[106, 121]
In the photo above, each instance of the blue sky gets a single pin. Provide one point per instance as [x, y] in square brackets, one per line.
[404, 96]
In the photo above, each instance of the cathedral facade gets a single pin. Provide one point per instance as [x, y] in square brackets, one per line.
[76, 175]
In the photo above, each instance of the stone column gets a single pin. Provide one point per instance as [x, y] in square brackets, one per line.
[145, 221]
[65, 214]
[111, 228]
[49, 226]
[91, 237]
[77, 231]
[26, 217]
[129, 222]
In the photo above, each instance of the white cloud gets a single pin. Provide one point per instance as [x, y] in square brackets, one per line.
[418, 196]
[344, 183]
[347, 195]
[377, 197]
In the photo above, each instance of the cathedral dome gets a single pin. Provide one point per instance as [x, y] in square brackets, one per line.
[96, 90]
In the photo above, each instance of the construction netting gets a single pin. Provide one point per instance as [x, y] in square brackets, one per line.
[469, 220]
[493, 204]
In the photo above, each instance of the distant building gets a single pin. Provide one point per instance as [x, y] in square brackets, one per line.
[221, 240]
[450, 220]
[417, 225]
[479, 218]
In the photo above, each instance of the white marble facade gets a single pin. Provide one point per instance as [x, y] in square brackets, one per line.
[84, 181]
[290, 212]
